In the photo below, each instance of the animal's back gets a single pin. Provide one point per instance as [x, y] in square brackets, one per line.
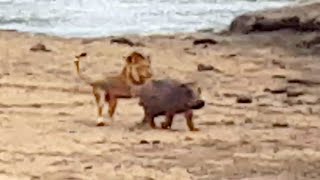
[165, 96]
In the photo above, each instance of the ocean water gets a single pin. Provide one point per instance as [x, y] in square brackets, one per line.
[95, 18]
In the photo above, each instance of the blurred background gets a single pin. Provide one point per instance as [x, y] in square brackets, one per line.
[94, 18]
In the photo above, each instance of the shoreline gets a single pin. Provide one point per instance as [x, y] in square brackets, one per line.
[200, 31]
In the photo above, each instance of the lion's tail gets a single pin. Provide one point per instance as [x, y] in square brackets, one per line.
[77, 64]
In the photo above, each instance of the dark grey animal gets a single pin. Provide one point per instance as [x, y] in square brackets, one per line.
[168, 97]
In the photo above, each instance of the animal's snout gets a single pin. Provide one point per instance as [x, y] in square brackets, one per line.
[197, 104]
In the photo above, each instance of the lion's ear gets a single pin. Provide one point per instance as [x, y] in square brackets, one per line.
[190, 83]
[129, 59]
[199, 90]
[149, 58]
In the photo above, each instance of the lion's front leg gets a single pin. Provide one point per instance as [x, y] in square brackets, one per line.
[99, 95]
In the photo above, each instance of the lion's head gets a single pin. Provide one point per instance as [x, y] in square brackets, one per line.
[138, 68]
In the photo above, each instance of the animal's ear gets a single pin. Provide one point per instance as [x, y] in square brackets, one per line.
[189, 84]
[128, 59]
[199, 90]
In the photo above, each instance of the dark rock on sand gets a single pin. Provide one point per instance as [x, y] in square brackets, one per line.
[204, 41]
[39, 47]
[144, 142]
[244, 99]
[122, 40]
[305, 81]
[300, 17]
[205, 67]
[278, 90]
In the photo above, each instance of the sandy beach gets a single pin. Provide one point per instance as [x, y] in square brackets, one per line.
[47, 115]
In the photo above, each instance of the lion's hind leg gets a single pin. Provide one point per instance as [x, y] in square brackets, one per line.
[112, 106]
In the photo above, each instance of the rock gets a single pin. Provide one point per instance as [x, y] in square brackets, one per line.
[156, 142]
[204, 67]
[204, 41]
[280, 125]
[187, 138]
[248, 121]
[39, 47]
[231, 55]
[279, 90]
[36, 105]
[88, 167]
[278, 76]
[304, 17]
[244, 99]
[144, 142]
[122, 40]
[228, 122]
[305, 81]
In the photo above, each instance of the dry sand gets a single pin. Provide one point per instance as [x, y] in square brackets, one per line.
[47, 115]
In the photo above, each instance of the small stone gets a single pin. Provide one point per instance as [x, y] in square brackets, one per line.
[122, 40]
[36, 105]
[278, 90]
[278, 76]
[188, 138]
[280, 125]
[204, 41]
[156, 142]
[228, 122]
[248, 121]
[231, 55]
[203, 67]
[244, 99]
[144, 142]
[308, 82]
[39, 47]
[88, 167]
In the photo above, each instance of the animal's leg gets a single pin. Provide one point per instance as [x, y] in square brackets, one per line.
[168, 122]
[150, 119]
[112, 106]
[144, 119]
[188, 115]
[99, 95]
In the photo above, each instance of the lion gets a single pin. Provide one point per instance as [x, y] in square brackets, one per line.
[136, 71]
